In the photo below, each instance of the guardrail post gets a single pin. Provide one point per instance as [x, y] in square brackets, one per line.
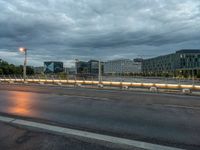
[53, 79]
[193, 81]
[75, 80]
[15, 78]
[59, 83]
[45, 77]
[20, 78]
[92, 81]
[10, 80]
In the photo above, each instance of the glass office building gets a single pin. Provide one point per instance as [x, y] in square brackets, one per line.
[89, 68]
[184, 62]
[53, 67]
[120, 66]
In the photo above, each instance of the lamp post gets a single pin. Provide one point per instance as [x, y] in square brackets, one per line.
[76, 66]
[24, 50]
[122, 69]
[100, 78]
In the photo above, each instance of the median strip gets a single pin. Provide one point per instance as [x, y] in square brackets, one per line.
[85, 134]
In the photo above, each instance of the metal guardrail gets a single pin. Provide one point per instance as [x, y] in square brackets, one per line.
[104, 83]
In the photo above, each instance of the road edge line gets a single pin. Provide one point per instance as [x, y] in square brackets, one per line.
[86, 134]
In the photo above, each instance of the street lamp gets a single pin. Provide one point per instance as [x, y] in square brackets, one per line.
[76, 66]
[100, 77]
[24, 50]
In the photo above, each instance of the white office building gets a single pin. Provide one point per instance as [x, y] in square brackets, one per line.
[122, 66]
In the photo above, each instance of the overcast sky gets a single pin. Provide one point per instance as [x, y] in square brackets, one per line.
[96, 29]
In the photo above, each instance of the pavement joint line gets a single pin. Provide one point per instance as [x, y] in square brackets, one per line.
[85, 134]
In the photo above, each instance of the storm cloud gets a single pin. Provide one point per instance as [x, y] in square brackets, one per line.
[96, 29]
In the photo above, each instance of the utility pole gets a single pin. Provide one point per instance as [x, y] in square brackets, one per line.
[76, 66]
[25, 63]
[193, 77]
[122, 69]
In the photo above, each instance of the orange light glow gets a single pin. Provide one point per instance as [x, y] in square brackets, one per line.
[21, 103]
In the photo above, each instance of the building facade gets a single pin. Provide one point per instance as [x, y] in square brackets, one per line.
[88, 68]
[184, 62]
[121, 66]
[53, 67]
[82, 67]
[93, 67]
[70, 71]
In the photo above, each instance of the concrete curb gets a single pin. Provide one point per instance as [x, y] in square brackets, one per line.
[85, 134]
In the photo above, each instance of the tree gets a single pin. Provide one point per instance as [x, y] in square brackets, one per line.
[1, 71]
[11, 69]
[29, 70]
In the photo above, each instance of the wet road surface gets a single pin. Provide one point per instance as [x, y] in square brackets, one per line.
[157, 118]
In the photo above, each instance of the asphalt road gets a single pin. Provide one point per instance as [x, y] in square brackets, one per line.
[157, 118]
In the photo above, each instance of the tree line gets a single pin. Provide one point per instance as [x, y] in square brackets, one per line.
[11, 69]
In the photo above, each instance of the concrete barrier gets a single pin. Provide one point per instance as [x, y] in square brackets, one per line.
[78, 85]
[25, 82]
[107, 83]
[42, 83]
[100, 85]
[153, 89]
[59, 83]
[125, 87]
[11, 82]
[186, 91]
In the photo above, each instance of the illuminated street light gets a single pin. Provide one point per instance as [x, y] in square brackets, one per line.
[24, 50]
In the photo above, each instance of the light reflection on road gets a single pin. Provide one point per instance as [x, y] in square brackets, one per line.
[21, 102]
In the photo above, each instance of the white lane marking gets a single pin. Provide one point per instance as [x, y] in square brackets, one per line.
[87, 97]
[179, 106]
[85, 134]
[6, 119]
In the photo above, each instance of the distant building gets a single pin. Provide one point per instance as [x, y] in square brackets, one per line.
[184, 62]
[94, 67]
[53, 67]
[123, 66]
[38, 70]
[89, 68]
[82, 67]
[70, 71]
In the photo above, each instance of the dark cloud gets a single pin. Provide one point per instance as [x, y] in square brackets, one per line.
[89, 29]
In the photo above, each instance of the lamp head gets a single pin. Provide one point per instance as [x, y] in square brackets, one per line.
[22, 49]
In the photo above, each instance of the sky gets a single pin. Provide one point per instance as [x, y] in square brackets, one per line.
[65, 30]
